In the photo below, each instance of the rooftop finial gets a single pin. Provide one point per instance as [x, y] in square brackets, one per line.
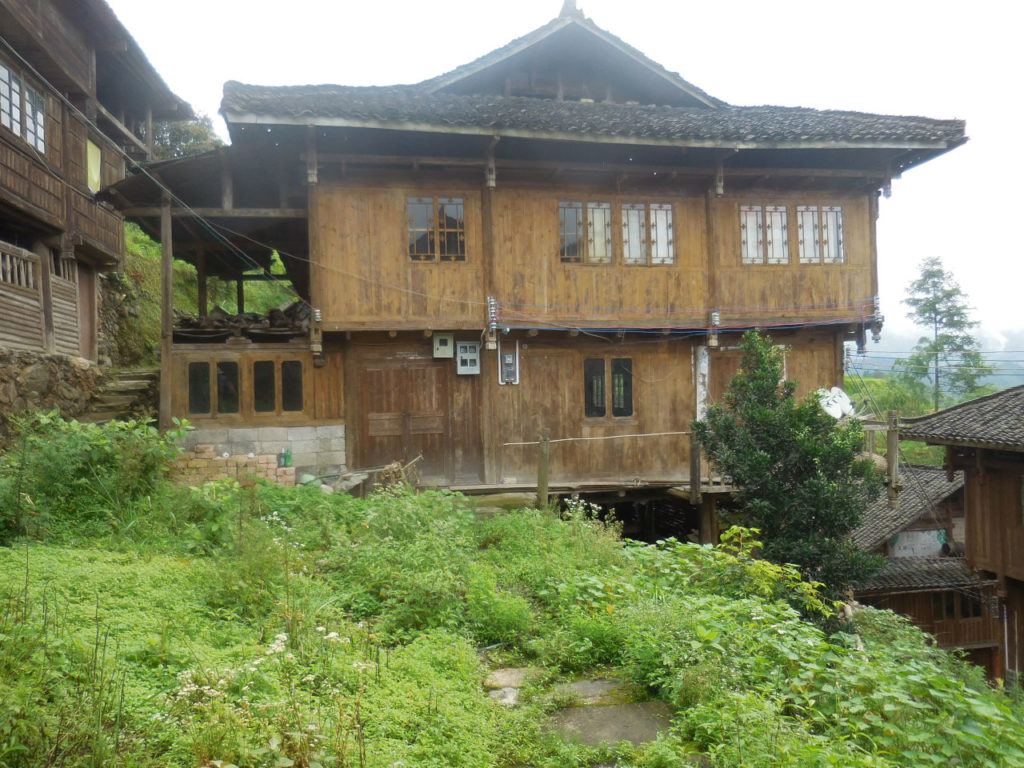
[569, 9]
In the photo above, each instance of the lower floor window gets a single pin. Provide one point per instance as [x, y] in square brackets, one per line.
[597, 395]
[224, 387]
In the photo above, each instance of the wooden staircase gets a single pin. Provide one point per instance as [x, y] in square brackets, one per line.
[125, 395]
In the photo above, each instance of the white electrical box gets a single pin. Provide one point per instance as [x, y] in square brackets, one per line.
[508, 363]
[467, 359]
[444, 345]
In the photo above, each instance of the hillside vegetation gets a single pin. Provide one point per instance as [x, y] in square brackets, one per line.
[149, 624]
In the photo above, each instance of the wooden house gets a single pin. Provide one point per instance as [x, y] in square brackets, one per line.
[926, 577]
[984, 439]
[77, 96]
[560, 237]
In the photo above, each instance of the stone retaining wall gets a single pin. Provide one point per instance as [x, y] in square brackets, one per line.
[203, 463]
[36, 381]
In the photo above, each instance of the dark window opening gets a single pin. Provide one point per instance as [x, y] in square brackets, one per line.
[198, 387]
[622, 386]
[291, 385]
[263, 389]
[227, 387]
[593, 382]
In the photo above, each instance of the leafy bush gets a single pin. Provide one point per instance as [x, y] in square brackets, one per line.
[60, 474]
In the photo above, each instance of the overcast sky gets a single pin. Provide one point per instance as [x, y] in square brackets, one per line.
[911, 57]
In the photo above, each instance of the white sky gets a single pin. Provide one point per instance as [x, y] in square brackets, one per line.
[914, 57]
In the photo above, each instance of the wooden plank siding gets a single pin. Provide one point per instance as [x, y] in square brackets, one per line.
[64, 295]
[364, 278]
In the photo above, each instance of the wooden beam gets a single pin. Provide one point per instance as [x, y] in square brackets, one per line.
[132, 138]
[221, 213]
[202, 299]
[166, 312]
[227, 185]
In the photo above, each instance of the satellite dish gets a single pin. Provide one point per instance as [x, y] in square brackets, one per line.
[835, 402]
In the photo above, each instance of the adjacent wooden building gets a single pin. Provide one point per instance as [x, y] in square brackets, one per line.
[76, 95]
[984, 439]
[926, 576]
[561, 237]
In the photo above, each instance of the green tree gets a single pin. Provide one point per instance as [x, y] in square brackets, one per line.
[949, 358]
[182, 138]
[795, 470]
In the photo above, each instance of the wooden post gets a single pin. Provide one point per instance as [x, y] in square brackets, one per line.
[202, 298]
[694, 471]
[709, 520]
[240, 295]
[166, 310]
[892, 459]
[46, 292]
[543, 459]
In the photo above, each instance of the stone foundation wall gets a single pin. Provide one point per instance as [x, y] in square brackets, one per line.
[215, 452]
[36, 381]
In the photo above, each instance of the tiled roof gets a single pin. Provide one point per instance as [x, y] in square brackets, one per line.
[995, 421]
[412, 105]
[923, 488]
[561, 22]
[911, 574]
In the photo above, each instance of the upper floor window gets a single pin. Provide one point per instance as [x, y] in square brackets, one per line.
[647, 236]
[22, 109]
[820, 233]
[597, 394]
[585, 232]
[436, 228]
[764, 234]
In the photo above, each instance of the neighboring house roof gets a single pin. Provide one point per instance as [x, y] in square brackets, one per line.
[923, 488]
[923, 574]
[412, 107]
[994, 421]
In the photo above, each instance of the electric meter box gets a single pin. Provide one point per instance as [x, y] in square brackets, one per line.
[444, 345]
[467, 359]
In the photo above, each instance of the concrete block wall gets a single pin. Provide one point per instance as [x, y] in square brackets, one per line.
[316, 450]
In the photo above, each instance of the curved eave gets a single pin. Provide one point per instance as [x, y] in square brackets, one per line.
[960, 442]
[930, 149]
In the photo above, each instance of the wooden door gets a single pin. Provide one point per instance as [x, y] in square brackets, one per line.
[404, 413]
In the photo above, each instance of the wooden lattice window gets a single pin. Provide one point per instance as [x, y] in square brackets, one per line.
[10, 100]
[65, 268]
[764, 234]
[585, 232]
[596, 393]
[647, 233]
[820, 230]
[35, 119]
[436, 228]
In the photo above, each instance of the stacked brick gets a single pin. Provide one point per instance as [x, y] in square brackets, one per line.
[203, 463]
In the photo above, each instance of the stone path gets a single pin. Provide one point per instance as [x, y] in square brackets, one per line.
[599, 710]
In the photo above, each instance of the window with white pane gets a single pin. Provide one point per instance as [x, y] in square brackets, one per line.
[647, 236]
[820, 234]
[585, 232]
[22, 108]
[10, 99]
[764, 234]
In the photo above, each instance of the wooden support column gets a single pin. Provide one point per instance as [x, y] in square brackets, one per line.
[240, 295]
[708, 520]
[543, 459]
[167, 311]
[892, 459]
[46, 292]
[489, 382]
[227, 183]
[202, 299]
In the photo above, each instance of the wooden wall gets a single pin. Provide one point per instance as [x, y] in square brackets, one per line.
[363, 277]
[995, 521]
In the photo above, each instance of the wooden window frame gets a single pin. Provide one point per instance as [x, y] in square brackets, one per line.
[646, 254]
[825, 243]
[770, 248]
[594, 243]
[25, 112]
[608, 388]
[435, 229]
[245, 409]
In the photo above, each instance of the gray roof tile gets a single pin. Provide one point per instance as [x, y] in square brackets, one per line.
[913, 574]
[407, 105]
[995, 421]
[923, 488]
